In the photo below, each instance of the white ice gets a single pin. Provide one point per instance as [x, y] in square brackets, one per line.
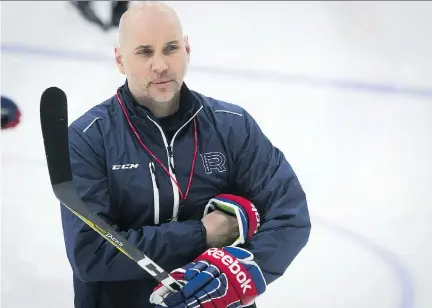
[343, 88]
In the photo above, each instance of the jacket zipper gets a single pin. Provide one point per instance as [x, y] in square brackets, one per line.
[155, 192]
[170, 155]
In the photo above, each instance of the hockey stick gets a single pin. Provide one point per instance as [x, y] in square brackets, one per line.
[54, 124]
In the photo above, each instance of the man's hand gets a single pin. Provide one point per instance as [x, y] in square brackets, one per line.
[222, 230]
[226, 277]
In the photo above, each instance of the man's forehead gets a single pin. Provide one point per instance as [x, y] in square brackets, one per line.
[156, 38]
[154, 32]
[150, 26]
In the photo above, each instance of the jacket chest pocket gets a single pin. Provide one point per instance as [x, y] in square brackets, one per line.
[165, 194]
[137, 195]
[155, 186]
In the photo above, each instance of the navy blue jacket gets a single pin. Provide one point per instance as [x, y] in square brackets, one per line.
[124, 183]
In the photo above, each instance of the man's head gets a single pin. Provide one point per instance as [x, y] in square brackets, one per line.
[152, 52]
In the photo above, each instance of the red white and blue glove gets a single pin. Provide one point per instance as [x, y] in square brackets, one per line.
[227, 277]
[247, 215]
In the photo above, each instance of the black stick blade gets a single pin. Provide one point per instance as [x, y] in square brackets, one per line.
[54, 124]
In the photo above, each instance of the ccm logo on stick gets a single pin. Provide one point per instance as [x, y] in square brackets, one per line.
[127, 166]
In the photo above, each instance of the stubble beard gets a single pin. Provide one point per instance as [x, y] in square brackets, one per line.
[159, 106]
[171, 94]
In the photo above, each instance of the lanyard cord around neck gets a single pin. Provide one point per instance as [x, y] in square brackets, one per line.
[182, 196]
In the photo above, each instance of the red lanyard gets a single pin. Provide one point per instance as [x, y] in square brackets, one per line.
[182, 196]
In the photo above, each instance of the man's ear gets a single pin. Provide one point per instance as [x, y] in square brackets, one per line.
[119, 60]
[187, 46]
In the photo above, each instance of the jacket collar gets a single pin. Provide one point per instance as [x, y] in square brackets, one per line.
[189, 104]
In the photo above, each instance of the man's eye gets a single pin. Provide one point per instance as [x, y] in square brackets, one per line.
[171, 48]
[145, 52]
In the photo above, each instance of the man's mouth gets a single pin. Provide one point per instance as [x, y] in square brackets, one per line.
[161, 81]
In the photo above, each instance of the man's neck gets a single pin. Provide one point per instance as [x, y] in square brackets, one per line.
[159, 110]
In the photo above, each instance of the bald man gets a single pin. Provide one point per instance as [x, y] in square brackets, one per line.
[190, 180]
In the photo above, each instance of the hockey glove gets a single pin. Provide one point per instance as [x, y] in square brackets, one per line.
[247, 215]
[225, 277]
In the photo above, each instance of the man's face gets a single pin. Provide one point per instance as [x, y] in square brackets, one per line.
[154, 58]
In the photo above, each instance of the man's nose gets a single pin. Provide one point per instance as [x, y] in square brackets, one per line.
[159, 64]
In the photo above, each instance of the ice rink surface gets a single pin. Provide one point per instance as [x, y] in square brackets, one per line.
[344, 89]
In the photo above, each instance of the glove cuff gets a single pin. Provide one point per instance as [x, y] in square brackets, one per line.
[244, 210]
[229, 209]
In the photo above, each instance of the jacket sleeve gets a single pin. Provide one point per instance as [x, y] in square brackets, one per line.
[92, 257]
[266, 178]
